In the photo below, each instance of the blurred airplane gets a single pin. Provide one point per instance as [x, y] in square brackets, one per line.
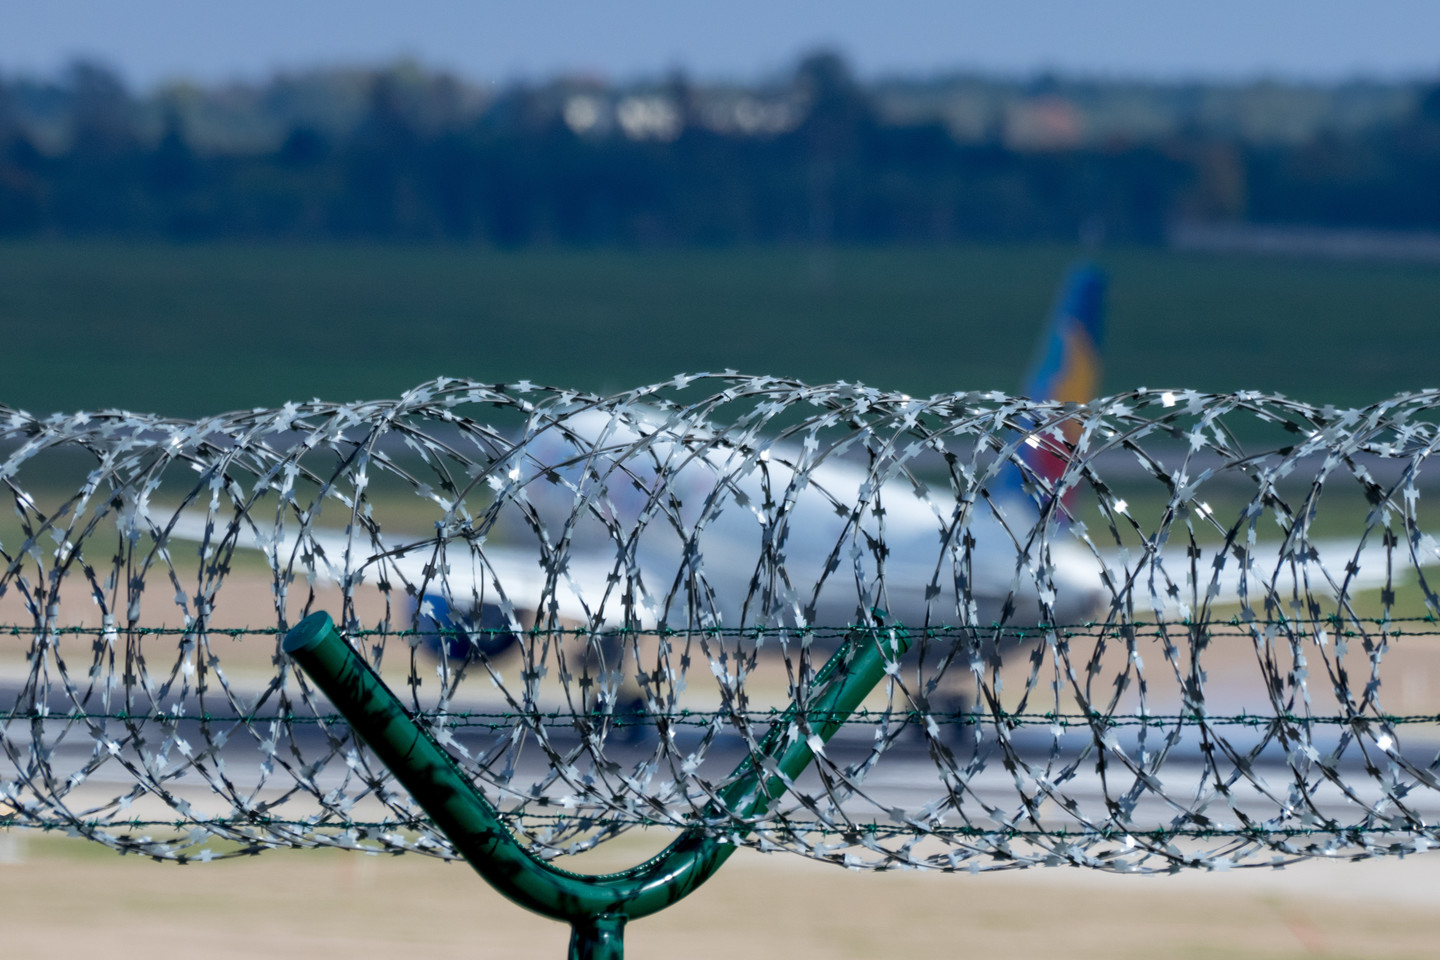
[708, 566]
[933, 571]
[714, 563]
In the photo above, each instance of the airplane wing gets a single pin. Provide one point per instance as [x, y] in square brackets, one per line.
[1176, 579]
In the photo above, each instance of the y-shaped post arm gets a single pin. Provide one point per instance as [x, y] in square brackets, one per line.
[596, 906]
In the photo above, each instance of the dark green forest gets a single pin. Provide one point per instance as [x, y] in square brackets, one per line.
[811, 157]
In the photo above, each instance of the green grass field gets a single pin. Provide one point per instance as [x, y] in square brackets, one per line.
[196, 330]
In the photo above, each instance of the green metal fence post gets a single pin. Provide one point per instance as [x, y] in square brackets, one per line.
[596, 906]
[598, 938]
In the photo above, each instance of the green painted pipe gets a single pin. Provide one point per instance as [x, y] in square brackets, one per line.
[598, 938]
[596, 906]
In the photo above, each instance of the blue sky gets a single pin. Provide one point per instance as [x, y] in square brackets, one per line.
[156, 40]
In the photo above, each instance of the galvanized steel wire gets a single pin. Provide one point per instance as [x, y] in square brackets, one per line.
[1148, 631]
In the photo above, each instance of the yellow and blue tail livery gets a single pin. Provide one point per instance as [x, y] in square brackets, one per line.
[1068, 366]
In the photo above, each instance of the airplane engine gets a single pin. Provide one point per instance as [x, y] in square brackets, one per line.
[461, 636]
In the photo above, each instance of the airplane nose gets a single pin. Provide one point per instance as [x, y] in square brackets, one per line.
[461, 638]
[495, 634]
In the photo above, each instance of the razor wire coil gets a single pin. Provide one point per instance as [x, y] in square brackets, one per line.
[1148, 631]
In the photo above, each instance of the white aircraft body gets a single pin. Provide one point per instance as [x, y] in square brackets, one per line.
[734, 539]
[770, 538]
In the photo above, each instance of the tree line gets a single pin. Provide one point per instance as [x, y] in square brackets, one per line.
[533, 165]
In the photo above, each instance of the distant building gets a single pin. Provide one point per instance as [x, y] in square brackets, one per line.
[1043, 123]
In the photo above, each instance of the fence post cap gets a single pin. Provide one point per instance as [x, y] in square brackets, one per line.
[308, 632]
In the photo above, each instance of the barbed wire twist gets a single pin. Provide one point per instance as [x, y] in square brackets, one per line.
[1147, 632]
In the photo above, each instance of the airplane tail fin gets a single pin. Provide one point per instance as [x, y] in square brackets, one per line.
[1068, 365]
